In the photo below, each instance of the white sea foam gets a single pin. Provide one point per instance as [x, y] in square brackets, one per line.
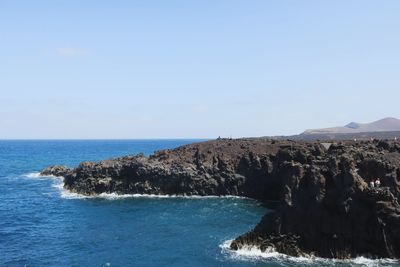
[37, 175]
[33, 175]
[113, 196]
[64, 193]
[252, 253]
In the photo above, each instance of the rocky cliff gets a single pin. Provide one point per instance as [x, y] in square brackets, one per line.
[323, 204]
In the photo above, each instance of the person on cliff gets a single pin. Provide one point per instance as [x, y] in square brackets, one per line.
[372, 184]
[377, 182]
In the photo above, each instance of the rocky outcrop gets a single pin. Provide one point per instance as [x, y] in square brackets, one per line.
[59, 171]
[323, 204]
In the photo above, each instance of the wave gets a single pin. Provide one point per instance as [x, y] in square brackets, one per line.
[33, 175]
[64, 193]
[37, 175]
[252, 253]
[113, 196]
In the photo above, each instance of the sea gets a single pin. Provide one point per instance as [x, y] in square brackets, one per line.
[41, 224]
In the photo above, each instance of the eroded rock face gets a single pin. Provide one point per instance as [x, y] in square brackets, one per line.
[329, 211]
[323, 205]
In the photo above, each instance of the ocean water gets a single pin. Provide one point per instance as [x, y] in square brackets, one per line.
[43, 225]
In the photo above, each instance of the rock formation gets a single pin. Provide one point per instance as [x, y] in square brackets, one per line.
[323, 204]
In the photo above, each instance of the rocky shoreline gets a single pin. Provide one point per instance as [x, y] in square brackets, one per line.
[323, 204]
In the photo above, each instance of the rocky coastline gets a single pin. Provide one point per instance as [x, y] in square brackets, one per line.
[323, 204]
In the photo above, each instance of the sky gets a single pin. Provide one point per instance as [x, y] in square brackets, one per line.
[195, 69]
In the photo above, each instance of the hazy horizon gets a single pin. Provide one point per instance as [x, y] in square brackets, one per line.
[162, 138]
[176, 69]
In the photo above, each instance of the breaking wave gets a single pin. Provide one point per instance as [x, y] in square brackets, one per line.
[33, 175]
[252, 253]
[37, 175]
[112, 196]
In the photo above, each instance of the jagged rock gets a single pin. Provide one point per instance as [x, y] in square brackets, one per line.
[59, 171]
[323, 205]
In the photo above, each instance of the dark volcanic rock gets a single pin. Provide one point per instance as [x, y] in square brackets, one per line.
[323, 205]
[59, 171]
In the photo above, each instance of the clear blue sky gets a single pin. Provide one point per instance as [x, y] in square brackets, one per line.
[173, 69]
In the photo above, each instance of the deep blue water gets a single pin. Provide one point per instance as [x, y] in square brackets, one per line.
[42, 225]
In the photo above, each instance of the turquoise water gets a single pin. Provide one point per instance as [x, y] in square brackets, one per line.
[43, 225]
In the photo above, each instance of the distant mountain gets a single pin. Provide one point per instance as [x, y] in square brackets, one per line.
[383, 125]
[388, 128]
